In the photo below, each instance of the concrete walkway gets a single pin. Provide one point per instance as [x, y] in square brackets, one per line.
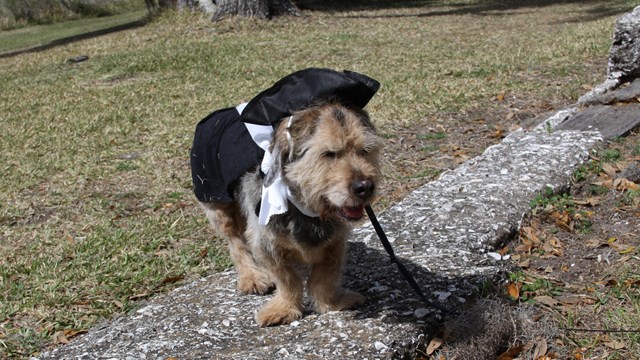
[442, 232]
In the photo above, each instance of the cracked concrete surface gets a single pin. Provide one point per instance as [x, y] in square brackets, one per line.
[443, 232]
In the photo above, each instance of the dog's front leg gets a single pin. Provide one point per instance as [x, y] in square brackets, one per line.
[287, 303]
[325, 281]
[228, 222]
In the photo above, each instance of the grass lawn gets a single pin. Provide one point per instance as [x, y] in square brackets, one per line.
[96, 207]
[11, 40]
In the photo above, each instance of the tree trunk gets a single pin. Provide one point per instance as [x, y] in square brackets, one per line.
[262, 9]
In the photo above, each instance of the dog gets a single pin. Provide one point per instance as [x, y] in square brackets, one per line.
[326, 157]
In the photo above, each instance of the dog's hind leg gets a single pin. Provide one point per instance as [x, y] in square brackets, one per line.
[228, 221]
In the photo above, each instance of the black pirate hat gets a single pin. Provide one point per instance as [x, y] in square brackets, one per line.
[303, 88]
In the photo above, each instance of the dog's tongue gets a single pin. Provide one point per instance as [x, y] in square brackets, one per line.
[355, 212]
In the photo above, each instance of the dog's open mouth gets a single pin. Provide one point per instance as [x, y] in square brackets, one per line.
[352, 212]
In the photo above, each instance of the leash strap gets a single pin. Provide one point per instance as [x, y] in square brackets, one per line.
[403, 270]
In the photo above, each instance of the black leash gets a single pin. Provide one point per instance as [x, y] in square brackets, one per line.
[403, 270]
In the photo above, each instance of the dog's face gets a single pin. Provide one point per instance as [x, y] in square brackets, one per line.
[329, 158]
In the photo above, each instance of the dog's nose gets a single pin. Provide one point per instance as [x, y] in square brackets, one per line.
[362, 188]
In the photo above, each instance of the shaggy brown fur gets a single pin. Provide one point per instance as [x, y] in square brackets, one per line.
[329, 160]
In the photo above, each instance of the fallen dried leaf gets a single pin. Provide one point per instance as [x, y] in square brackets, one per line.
[611, 282]
[523, 248]
[60, 338]
[139, 296]
[434, 344]
[632, 282]
[609, 169]
[594, 243]
[589, 201]
[615, 345]
[540, 349]
[70, 333]
[626, 249]
[555, 242]
[525, 264]
[171, 279]
[604, 183]
[619, 247]
[513, 290]
[438, 340]
[569, 299]
[562, 220]
[511, 353]
[546, 300]
[624, 184]
[528, 236]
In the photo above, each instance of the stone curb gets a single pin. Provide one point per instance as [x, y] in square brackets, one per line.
[443, 232]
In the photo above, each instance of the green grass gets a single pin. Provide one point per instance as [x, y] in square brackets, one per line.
[549, 199]
[96, 207]
[432, 136]
[617, 306]
[30, 36]
[424, 173]
[610, 155]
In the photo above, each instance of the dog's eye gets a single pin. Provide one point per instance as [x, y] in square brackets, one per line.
[330, 154]
[366, 151]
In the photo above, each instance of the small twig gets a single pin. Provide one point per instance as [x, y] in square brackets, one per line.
[602, 330]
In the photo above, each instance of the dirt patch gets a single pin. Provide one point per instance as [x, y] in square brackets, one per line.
[416, 155]
[579, 255]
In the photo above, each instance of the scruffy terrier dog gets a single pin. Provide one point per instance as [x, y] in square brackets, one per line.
[327, 155]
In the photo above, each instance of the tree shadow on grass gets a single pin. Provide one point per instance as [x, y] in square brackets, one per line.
[433, 8]
[69, 39]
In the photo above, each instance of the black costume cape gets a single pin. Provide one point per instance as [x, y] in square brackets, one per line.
[223, 149]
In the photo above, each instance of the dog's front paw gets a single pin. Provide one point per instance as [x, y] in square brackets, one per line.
[344, 299]
[276, 312]
[259, 284]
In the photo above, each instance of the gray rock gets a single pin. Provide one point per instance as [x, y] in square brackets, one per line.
[624, 56]
[627, 92]
[631, 172]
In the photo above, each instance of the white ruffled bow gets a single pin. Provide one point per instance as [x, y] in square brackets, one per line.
[276, 196]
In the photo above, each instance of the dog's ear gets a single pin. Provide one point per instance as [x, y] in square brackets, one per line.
[288, 140]
[282, 148]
